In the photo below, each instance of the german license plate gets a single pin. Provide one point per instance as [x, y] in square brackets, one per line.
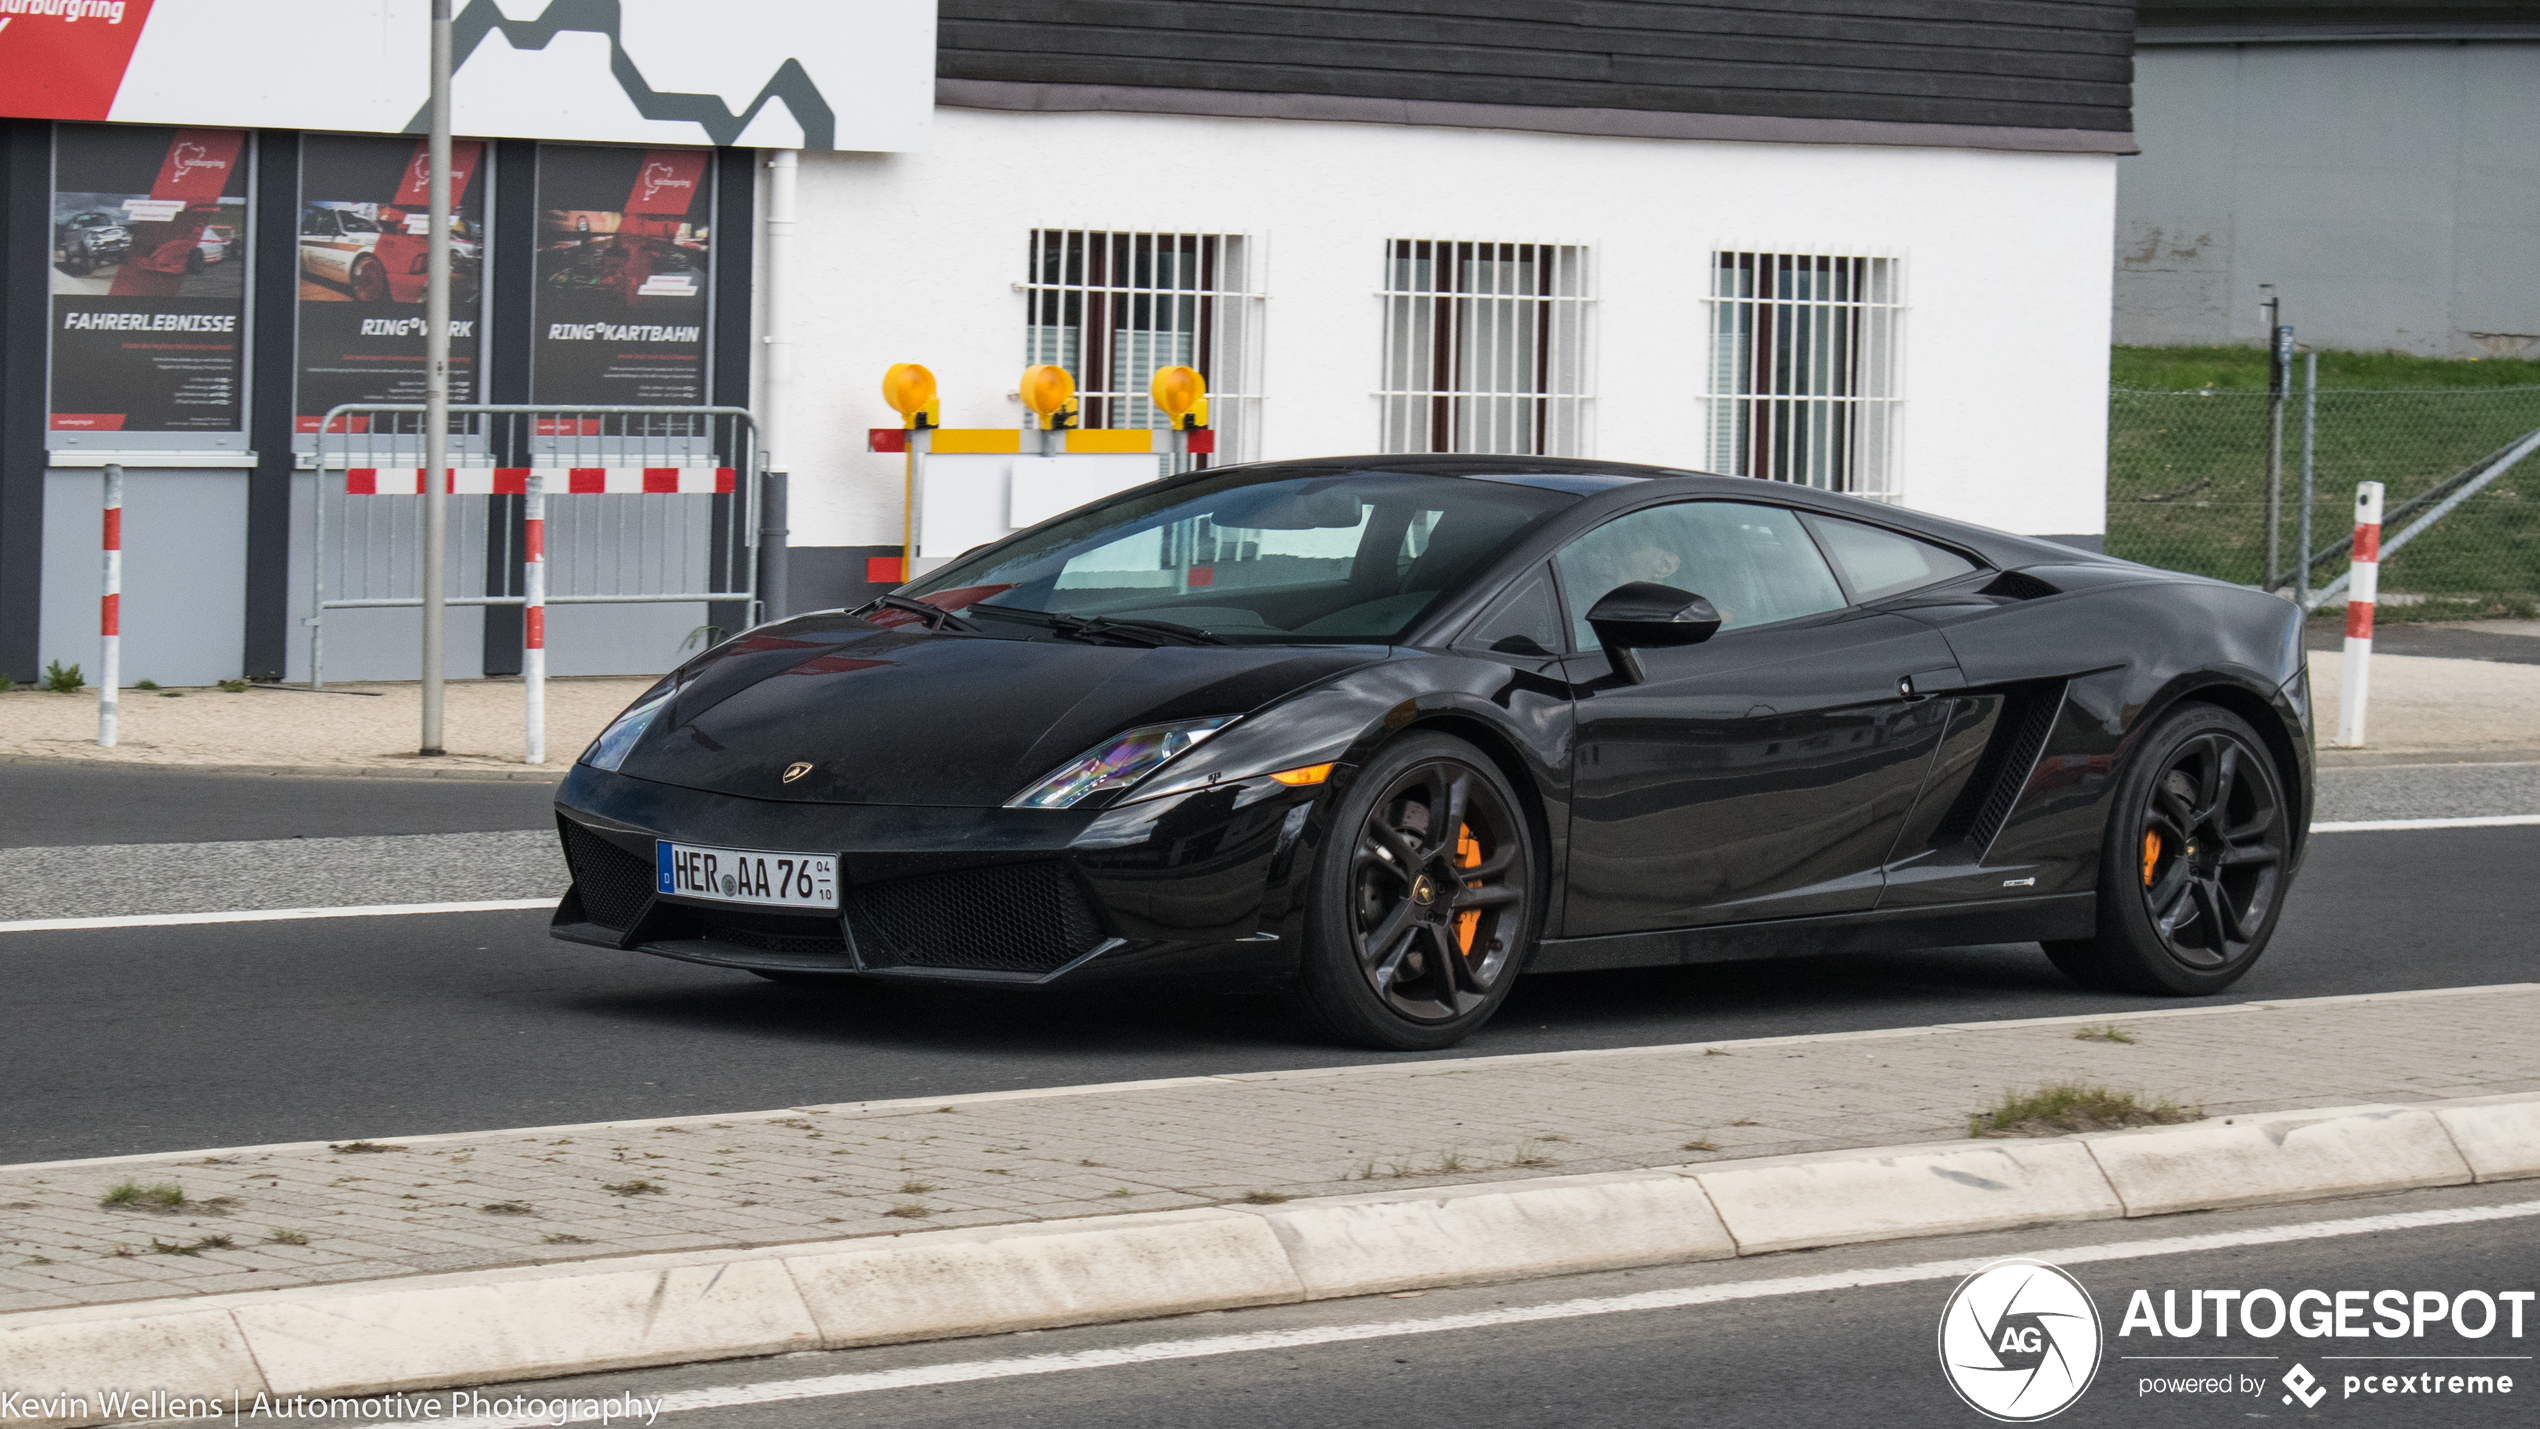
[740, 875]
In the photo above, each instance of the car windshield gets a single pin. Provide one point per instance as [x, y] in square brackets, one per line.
[1259, 555]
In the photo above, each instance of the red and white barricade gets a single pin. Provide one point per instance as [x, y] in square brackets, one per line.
[558, 480]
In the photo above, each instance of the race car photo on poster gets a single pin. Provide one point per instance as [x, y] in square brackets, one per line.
[1387, 732]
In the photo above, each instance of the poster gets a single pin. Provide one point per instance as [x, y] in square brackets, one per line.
[363, 234]
[149, 265]
[622, 274]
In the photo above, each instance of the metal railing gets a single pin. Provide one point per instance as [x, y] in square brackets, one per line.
[645, 505]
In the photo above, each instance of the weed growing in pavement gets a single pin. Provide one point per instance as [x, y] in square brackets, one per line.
[119, 1251]
[1525, 1157]
[1746, 1121]
[1118, 1193]
[145, 684]
[233, 687]
[171, 694]
[1699, 1146]
[914, 1212]
[1451, 1163]
[2105, 1032]
[63, 681]
[1716, 1052]
[7, 684]
[282, 1236]
[166, 1196]
[631, 1188]
[209, 1242]
[360, 1148]
[914, 1188]
[560, 1238]
[1264, 1198]
[1552, 1136]
[2074, 1106]
[508, 1208]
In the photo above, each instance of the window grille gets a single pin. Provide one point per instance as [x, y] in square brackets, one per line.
[1486, 348]
[1111, 308]
[1803, 370]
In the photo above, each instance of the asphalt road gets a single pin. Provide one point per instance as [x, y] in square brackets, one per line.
[54, 803]
[1848, 1355]
[164, 1039]
[2440, 641]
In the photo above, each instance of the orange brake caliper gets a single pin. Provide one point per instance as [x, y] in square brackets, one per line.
[2151, 853]
[1468, 854]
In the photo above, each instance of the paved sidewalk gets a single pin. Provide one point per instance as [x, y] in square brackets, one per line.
[262, 1217]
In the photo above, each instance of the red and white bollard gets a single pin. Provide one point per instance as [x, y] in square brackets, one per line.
[110, 613]
[2363, 587]
[533, 614]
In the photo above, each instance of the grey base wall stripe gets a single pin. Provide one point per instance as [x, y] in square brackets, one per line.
[1605, 123]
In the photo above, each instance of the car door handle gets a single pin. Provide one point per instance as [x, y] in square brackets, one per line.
[1924, 683]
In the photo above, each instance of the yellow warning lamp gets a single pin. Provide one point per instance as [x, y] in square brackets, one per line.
[910, 389]
[1050, 392]
[1183, 395]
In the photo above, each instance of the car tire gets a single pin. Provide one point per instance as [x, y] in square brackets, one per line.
[368, 280]
[1415, 930]
[2195, 866]
[193, 260]
[79, 262]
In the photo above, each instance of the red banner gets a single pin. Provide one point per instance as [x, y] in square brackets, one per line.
[199, 165]
[67, 61]
[416, 191]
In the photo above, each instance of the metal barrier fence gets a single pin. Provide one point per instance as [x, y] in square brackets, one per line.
[644, 505]
[2187, 489]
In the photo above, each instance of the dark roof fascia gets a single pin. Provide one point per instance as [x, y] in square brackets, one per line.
[1605, 123]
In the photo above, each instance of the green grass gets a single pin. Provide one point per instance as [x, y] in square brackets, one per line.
[2067, 1107]
[2244, 369]
[2187, 482]
[163, 1196]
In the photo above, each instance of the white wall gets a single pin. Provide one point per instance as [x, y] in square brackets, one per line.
[2007, 260]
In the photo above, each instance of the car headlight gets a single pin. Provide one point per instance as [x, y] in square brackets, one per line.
[618, 740]
[1117, 763]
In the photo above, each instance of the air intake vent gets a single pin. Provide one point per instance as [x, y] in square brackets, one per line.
[2019, 585]
[614, 884]
[1021, 918]
[2036, 722]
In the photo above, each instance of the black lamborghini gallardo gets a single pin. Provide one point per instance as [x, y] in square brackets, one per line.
[1390, 731]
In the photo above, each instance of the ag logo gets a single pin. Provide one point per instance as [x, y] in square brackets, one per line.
[2019, 1341]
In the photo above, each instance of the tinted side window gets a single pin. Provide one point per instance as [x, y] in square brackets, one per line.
[1526, 621]
[1877, 563]
[1753, 562]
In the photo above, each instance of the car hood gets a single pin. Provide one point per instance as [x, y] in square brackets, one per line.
[899, 716]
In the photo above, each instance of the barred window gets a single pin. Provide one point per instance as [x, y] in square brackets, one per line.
[1803, 370]
[1111, 308]
[1486, 348]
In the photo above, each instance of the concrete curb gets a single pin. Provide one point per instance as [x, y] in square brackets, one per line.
[536, 1321]
[462, 773]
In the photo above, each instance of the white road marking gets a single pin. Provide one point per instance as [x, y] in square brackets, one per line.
[2375, 826]
[972, 1371]
[271, 915]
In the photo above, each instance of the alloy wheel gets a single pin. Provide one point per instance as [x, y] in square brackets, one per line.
[1438, 885]
[2211, 851]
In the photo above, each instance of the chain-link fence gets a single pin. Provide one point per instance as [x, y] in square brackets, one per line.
[2187, 488]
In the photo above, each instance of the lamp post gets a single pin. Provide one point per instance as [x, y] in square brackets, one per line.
[436, 384]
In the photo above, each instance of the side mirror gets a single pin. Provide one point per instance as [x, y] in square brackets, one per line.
[1646, 614]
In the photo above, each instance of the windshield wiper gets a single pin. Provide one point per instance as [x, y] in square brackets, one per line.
[1103, 629]
[936, 617]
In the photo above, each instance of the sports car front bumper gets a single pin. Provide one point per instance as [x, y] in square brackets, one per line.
[1204, 884]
